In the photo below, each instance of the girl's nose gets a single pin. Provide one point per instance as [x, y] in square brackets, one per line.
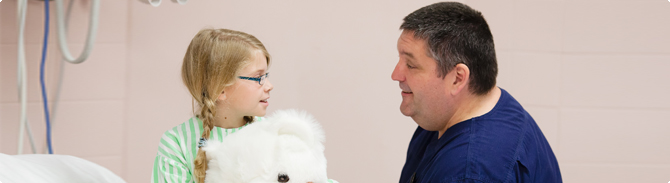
[268, 85]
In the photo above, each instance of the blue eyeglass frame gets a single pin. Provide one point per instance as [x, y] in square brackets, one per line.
[260, 80]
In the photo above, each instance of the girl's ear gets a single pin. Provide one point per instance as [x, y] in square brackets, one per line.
[222, 96]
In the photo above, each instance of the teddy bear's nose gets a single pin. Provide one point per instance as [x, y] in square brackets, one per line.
[282, 178]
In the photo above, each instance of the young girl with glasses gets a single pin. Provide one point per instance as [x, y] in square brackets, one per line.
[226, 73]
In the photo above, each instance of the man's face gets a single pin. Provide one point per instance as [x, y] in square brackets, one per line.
[425, 96]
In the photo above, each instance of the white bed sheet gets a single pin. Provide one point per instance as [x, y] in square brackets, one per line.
[36, 168]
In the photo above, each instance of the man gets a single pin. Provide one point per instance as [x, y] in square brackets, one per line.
[469, 129]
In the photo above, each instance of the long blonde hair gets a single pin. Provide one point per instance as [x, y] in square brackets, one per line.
[212, 62]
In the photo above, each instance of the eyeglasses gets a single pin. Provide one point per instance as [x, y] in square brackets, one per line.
[261, 79]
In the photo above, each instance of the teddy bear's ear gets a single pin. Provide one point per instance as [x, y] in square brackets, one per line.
[298, 123]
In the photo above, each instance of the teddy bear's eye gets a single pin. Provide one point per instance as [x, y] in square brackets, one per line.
[282, 178]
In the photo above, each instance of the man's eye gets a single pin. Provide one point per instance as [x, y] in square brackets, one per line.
[411, 67]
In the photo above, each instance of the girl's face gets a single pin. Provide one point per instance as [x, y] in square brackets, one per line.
[247, 97]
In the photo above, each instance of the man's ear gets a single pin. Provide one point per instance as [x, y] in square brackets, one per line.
[461, 74]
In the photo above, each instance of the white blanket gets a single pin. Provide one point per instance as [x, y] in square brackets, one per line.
[36, 168]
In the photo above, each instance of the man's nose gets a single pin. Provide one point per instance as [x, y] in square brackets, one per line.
[398, 74]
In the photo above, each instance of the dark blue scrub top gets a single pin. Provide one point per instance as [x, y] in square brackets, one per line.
[503, 145]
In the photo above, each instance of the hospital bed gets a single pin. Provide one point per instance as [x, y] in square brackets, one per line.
[38, 168]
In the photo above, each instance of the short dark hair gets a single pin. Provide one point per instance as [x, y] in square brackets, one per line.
[455, 34]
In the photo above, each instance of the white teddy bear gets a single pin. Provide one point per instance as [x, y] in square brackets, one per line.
[285, 147]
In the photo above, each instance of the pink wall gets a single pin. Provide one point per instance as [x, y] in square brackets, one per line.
[90, 118]
[592, 73]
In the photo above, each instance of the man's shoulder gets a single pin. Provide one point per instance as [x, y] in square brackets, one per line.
[484, 148]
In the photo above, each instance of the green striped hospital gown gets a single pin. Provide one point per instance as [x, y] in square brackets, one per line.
[179, 146]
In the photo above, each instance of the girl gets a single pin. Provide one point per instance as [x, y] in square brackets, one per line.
[226, 73]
